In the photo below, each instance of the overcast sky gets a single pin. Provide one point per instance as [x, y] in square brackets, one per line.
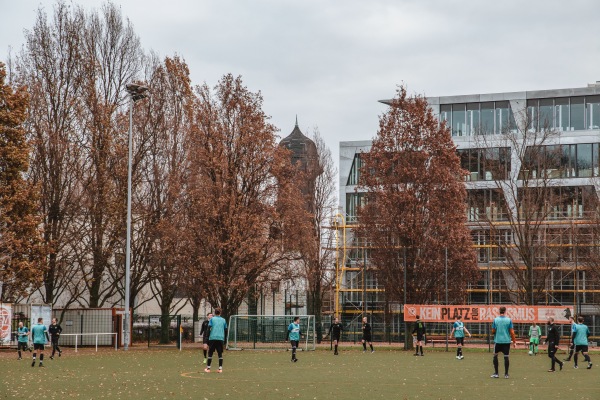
[329, 62]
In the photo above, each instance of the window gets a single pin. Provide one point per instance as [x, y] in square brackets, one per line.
[487, 118]
[577, 114]
[459, 126]
[355, 170]
[472, 119]
[353, 202]
[561, 109]
[532, 115]
[505, 120]
[445, 114]
[584, 160]
[593, 112]
[546, 114]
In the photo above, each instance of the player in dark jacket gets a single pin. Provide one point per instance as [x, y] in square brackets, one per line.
[367, 335]
[205, 332]
[55, 330]
[420, 330]
[335, 331]
[552, 340]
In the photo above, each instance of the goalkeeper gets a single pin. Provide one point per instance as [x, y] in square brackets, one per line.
[534, 338]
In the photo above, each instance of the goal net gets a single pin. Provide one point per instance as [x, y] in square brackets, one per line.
[268, 332]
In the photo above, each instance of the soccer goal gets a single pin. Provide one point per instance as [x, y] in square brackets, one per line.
[268, 332]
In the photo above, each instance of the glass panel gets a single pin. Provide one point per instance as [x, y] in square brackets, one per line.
[565, 161]
[491, 163]
[552, 161]
[528, 166]
[474, 165]
[577, 114]
[593, 112]
[532, 115]
[595, 158]
[472, 119]
[445, 110]
[464, 161]
[355, 171]
[505, 162]
[459, 127]
[561, 106]
[584, 160]
[546, 118]
[487, 118]
[502, 117]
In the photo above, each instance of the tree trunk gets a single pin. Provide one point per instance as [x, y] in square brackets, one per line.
[165, 322]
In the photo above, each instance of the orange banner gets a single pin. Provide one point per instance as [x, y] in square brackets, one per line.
[485, 313]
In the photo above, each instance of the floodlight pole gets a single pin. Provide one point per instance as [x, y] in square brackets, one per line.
[136, 92]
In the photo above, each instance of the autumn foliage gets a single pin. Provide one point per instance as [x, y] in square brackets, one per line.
[416, 206]
[21, 251]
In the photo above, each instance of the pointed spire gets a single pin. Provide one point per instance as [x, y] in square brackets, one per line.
[296, 120]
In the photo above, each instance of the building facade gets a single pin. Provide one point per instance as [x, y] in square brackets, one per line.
[532, 165]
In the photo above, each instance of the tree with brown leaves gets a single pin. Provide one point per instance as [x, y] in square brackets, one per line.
[245, 214]
[21, 255]
[415, 209]
[49, 66]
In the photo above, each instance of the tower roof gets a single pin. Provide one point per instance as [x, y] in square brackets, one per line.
[302, 147]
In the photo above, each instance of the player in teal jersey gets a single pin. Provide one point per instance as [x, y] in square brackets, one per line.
[23, 339]
[571, 345]
[502, 329]
[535, 332]
[459, 330]
[39, 332]
[580, 340]
[294, 336]
[218, 331]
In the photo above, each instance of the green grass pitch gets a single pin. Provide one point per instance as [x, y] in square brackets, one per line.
[385, 374]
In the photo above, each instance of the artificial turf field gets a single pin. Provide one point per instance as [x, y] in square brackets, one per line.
[385, 374]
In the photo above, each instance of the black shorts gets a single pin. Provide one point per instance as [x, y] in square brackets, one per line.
[503, 348]
[367, 338]
[23, 346]
[54, 341]
[215, 345]
[295, 343]
[581, 347]
[204, 340]
[38, 346]
[420, 338]
[460, 340]
[551, 350]
[335, 338]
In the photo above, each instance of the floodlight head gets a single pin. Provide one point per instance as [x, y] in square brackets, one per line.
[137, 92]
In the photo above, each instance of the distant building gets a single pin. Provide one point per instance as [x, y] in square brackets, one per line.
[495, 165]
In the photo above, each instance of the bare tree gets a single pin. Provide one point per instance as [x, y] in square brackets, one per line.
[514, 213]
[318, 256]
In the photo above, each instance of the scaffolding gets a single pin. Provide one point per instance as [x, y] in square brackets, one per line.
[566, 243]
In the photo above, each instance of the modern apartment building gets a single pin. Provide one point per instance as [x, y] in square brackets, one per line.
[511, 145]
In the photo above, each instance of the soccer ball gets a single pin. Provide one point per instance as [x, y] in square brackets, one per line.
[530, 353]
